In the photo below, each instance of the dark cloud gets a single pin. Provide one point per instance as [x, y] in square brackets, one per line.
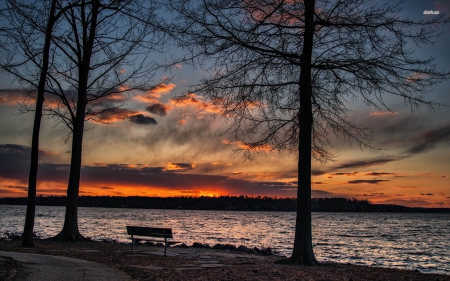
[376, 194]
[317, 173]
[323, 194]
[345, 174]
[427, 194]
[104, 176]
[365, 181]
[378, 174]
[274, 183]
[368, 163]
[143, 120]
[157, 108]
[429, 139]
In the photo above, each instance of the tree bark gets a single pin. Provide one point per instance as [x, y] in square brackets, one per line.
[27, 236]
[302, 252]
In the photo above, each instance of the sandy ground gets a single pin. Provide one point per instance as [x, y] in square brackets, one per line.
[149, 263]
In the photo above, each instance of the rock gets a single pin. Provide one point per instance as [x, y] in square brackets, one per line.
[242, 249]
[225, 247]
[197, 245]
[108, 240]
[230, 247]
[182, 245]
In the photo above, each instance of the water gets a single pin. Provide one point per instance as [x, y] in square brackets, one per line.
[399, 240]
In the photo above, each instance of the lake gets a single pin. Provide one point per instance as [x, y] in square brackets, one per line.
[417, 241]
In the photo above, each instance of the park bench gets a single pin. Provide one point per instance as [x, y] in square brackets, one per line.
[157, 232]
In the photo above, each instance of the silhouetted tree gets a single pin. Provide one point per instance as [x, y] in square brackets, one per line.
[283, 72]
[103, 51]
[100, 49]
[24, 49]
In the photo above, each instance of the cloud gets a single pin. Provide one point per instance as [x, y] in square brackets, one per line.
[365, 164]
[243, 146]
[427, 194]
[379, 174]
[382, 113]
[179, 166]
[317, 173]
[114, 115]
[345, 174]
[323, 194]
[172, 179]
[375, 194]
[142, 120]
[13, 97]
[158, 108]
[365, 181]
[429, 139]
[152, 96]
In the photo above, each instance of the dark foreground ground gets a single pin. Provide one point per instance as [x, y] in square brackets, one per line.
[201, 264]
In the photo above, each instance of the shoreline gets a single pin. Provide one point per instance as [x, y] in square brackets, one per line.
[208, 264]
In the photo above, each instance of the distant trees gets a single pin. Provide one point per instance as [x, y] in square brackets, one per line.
[284, 71]
[224, 203]
[98, 49]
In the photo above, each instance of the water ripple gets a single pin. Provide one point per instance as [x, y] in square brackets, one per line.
[400, 240]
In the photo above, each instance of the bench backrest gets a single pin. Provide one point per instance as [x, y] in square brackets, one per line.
[149, 231]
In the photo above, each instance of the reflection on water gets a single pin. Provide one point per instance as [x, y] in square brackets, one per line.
[402, 240]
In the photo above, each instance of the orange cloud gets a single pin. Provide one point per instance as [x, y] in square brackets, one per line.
[197, 102]
[111, 116]
[178, 167]
[417, 76]
[153, 95]
[244, 146]
[382, 113]
[15, 97]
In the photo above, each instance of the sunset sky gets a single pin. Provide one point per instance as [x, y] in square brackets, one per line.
[155, 147]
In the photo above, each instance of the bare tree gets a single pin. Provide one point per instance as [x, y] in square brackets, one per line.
[25, 49]
[100, 49]
[284, 71]
[102, 52]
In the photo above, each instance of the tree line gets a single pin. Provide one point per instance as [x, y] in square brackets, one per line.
[224, 203]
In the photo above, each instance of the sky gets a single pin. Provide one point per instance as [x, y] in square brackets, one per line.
[153, 146]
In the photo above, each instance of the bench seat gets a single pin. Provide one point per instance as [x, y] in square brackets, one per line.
[143, 232]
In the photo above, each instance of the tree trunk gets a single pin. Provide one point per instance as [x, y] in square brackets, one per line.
[303, 252]
[27, 236]
[70, 230]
